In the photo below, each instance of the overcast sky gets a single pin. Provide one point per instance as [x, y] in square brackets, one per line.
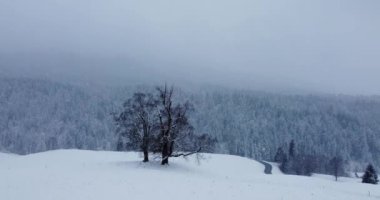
[328, 46]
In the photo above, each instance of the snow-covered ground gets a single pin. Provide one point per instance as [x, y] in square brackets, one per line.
[90, 175]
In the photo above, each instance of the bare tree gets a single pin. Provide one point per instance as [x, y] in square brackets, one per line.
[174, 125]
[336, 164]
[154, 123]
[137, 121]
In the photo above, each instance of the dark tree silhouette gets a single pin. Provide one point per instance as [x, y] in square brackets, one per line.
[280, 155]
[285, 165]
[137, 121]
[173, 122]
[336, 166]
[370, 175]
[153, 123]
[292, 150]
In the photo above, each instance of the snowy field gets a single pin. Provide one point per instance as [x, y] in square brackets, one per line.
[90, 175]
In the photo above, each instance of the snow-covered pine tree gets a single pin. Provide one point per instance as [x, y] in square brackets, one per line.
[370, 175]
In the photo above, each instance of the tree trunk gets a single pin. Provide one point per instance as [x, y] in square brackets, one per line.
[146, 143]
[171, 148]
[146, 155]
[165, 153]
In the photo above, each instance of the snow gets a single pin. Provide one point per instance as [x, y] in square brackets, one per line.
[276, 168]
[91, 175]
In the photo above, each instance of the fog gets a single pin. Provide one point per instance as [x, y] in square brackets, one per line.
[330, 46]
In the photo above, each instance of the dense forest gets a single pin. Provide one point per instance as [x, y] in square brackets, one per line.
[39, 115]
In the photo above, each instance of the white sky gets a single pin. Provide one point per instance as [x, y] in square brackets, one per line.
[321, 45]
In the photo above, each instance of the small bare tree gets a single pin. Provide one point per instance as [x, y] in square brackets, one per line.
[336, 165]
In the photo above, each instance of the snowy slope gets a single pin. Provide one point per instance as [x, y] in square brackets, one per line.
[90, 175]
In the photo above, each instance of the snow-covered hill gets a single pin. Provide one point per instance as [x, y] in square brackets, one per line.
[90, 175]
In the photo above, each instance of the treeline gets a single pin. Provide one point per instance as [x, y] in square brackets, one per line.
[40, 115]
[254, 124]
[299, 163]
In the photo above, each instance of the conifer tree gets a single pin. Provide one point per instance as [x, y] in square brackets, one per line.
[292, 149]
[280, 155]
[370, 175]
